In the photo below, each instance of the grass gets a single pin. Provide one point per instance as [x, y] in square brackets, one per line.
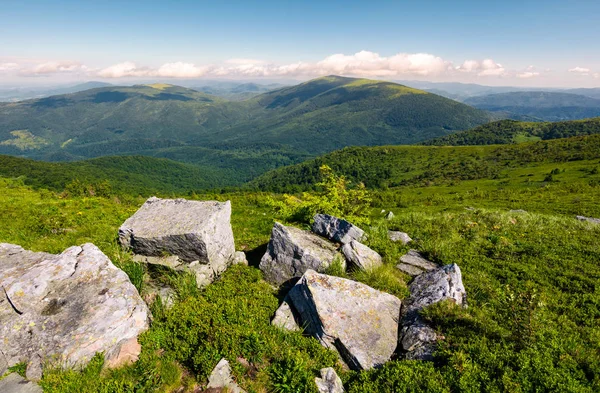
[533, 284]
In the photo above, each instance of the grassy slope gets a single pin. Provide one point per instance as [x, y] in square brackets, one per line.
[390, 166]
[510, 131]
[505, 341]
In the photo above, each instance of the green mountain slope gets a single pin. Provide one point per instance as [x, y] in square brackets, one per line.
[552, 106]
[392, 166]
[511, 131]
[314, 117]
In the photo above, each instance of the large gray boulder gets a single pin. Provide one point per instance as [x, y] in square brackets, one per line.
[359, 322]
[14, 383]
[336, 229]
[444, 283]
[292, 251]
[329, 381]
[361, 256]
[186, 235]
[65, 308]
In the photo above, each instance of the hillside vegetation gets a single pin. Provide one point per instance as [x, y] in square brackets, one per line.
[511, 131]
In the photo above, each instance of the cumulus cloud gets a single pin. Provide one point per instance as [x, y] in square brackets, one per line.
[487, 67]
[124, 69]
[52, 67]
[580, 70]
[8, 67]
[530, 72]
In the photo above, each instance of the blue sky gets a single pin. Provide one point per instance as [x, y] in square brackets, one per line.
[537, 43]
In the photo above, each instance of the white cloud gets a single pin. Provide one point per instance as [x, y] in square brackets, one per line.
[125, 69]
[487, 67]
[527, 74]
[52, 67]
[180, 70]
[580, 70]
[4, 67]
[597, 75]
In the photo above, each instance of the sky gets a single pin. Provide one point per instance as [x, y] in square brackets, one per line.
[511, 43]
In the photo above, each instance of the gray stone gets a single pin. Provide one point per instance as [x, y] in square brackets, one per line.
[284, 317]
[292, 251]
[65, 308]
[444, 283]
[414, 258]
[357, 321]
[195, 236]
[336, 229]
[220, 378]
[402, 237]
[589, 219]
[409, 269]
[361, 256]
[518, 211]
[389, 216]
[329, 381]
[239, 258]
[14, 383]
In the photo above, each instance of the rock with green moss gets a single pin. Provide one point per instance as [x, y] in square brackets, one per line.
[292, 251]
[359, 322]
[188, 235]
[66, 308]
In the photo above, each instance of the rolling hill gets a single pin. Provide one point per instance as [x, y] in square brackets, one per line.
[511, 131]
[544, 105]
[311, 118]
[393, 166]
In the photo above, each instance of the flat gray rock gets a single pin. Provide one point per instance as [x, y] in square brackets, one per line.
[589, 219]
[292, 251]
[178, 232]
[361, 256]
[359, 322]
[409, 269]
[329, 381]
[444, 283]
[414, 258]
[14, 383]
[66, 308]
[220, 378]
[336, 229]
[401, 237]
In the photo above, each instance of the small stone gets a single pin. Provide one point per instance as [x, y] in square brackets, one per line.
[389, 216]
[284, 318]
[518, 211]
[361, 256]
[414, 258]
[220, 378]
[239, 258]
[329, 381]
[402, 237]
[589, 219]
[336, 229]
[14, 383]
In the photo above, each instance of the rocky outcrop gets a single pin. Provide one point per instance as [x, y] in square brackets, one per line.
[588, 219]
[336, 229]
[184, 235]
[413, 263]
[14, 383]
[65, 308]
[220, 379]
[357, 321]
[402, 237]
[329, 381]
[361, 256]
[444, 283]
[292, 251]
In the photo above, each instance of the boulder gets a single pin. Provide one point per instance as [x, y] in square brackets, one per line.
[220, 378]
[444, 283]
[589, 219]
[409, 269]
[336, 229]
[329, 381]
[292, 251]
[361, 256]
[415, 259]
[402, 237]
[14, 383]
[65, 308]
[357, 321]
[186, 235]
